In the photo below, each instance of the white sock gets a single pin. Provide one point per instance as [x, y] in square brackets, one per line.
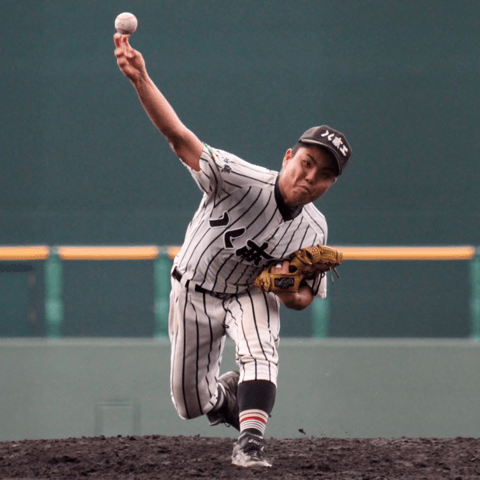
[253, 420]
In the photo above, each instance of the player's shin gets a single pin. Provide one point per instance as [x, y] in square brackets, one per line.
[256, 399]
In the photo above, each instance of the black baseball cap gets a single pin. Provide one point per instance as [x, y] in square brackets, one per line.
[331, 139]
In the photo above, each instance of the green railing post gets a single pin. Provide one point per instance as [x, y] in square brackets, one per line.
[53, 295]
[475, 299]
[162, 266]
[320, 317]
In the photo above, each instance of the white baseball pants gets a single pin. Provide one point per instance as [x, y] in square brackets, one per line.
[198, 323]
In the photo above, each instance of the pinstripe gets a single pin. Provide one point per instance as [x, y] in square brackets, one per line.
[208, 266]
[184, 350]
[249, 177]
[221, 200]
[220, 269]
[279, 226]
[245, 335]
[234, 185]
[284, 234]
[198, 219]
[317, 283]
[197, 358]
[304, 236]
[269, 330]
[211, 341]
[307, 212]
[241, 277]
[256, 325]
[272, 340]
[292, 236]
[275, 212]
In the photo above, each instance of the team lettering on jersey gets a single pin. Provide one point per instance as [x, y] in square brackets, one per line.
[239, 226]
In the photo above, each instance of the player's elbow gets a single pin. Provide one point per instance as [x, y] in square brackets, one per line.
[297, 305]
[186, 146]
[299, 300]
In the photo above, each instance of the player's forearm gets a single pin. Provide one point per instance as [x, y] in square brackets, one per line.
[297, 300]
[184, 142]
[157, 107]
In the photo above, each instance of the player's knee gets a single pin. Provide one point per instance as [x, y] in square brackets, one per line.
[186, 402]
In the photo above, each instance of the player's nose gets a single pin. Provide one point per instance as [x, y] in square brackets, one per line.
[310, 176]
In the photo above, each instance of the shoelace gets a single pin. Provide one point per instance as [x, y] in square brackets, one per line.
[253, 445]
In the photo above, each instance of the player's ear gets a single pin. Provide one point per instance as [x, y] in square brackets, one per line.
[287, 157]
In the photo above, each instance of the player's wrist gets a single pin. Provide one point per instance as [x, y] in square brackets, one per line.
[140, 80]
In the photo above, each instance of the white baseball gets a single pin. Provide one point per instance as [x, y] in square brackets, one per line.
[126, 23]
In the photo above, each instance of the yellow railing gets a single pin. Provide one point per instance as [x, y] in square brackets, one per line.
[163, 256]
[408, 253]
[42, 252]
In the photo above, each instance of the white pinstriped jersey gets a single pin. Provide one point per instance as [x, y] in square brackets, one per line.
[242, 224]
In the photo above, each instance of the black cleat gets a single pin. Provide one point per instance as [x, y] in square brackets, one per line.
[249, 451]
[228, 413]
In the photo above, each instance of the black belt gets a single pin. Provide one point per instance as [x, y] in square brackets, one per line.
[178, 276]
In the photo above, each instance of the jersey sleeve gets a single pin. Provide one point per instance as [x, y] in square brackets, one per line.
[209, 177]
[319, 286]
[221, 170]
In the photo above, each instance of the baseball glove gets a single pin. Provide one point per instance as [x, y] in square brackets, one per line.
[306, 263]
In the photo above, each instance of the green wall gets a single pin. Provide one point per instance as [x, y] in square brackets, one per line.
[81, 163]
[346, 388]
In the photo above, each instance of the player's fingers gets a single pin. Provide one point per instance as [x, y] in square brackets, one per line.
[129, 51]
[117, 39]
[120, 50]
[121, 41]
[280, 267]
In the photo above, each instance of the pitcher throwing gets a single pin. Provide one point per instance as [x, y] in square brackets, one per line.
[249, 219]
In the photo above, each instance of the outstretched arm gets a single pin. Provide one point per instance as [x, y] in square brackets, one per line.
[183, 141]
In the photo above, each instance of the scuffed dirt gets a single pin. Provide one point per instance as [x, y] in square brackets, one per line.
[160, 457]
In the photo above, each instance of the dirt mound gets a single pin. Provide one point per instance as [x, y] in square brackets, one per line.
[160, 457]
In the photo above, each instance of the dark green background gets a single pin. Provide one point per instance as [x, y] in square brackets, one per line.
[82, 164]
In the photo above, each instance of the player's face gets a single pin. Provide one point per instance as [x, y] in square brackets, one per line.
[306, 176]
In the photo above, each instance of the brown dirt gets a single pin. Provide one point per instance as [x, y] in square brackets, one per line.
[160, 457]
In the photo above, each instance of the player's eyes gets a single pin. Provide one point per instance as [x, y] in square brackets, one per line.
[327, 176]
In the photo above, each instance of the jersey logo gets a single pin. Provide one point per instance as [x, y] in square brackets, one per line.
[227, 238]
[229, 235]
[251, 252]
[220, 222]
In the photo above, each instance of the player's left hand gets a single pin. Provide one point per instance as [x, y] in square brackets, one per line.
[306, 263]
[280, 267]
[296, 300]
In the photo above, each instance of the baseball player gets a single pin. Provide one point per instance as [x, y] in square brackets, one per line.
[248, 217]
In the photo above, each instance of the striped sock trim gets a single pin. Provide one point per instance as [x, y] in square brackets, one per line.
[256, 419]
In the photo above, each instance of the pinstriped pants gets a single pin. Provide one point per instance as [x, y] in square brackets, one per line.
[198, 325]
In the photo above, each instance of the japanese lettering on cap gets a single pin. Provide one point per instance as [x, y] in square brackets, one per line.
[331, 139]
